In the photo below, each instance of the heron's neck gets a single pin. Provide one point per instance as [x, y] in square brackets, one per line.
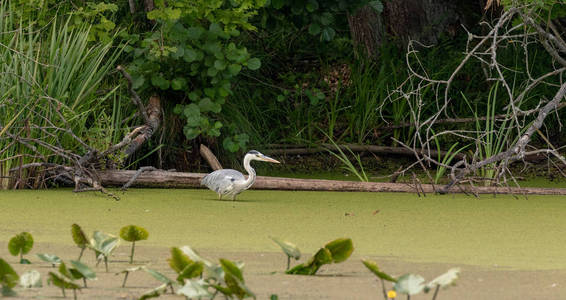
[250, 170]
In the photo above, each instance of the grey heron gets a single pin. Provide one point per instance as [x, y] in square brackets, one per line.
[231, 182]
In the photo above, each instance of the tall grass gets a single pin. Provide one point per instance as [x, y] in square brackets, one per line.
[53, 75]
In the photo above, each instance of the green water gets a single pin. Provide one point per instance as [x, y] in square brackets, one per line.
[505, 231]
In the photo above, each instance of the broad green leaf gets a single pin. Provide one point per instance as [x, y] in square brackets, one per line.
[85, 270]
[314, 29]
[66, 272]
[445, 279]
[322, 256]
[194, 289]
[104, 243]
[234, 69]
[190, 55]
[376, 5]
[278, 4]
[212, 270]
[8, 277]
[31, 279]
[133, 233]
[157, 275]
[61, 282]
[409, 284]
[50, 258]
[312, 5]
[326, 18]
[231, 268]
[254, 63]
[155, 293]
[220, 64]
[21, 243]
[328, 34]
[372, 266]
[178, 260]
[341, 249]
[159, 81]
[178, 83]
[289, 248]
[191, 271]
[206, 105]
[79, 237]
[194, 33]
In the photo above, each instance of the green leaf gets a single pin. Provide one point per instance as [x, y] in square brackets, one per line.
[376, 5]
[194, 33]
[289, 248]
[133, 233]
[158, 276]
[190, 271]
[211, 72]
[206, 105]
[194, 289]
[79, 237]
[85, 270]
[229, 145]
[314, 29]
[235, 279]
[254, 63]
[65, 271]
[156, 292]
[231, 268]
[159, 81]
[341, 249]
[50, 258]
[61, 282]
[234, 69]
[328, 34]
[445, 280]
[178, 260]
[8, 277]
[21, 243]
[104, 243]
[372, 266]
[190, 55]
[178, 83]
[220, 64]
[312, 5]
[409, 284]
[31, 279]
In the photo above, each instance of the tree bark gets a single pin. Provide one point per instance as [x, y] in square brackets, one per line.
[165, 179]
[366, 28]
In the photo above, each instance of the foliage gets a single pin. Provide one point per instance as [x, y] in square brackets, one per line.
[63, 283]
[103, 245]
[234, 280]
[133, 233]
[21, 244]
[290, 249]
[8, 278]
[194, 57]
[50, 258]
[80, 238]
[335, 251]
[322, 18]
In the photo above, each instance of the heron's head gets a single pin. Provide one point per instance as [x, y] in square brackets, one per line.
[256, 155]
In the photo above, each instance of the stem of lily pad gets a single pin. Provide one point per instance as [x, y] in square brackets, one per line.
[63, 289]
[125, 278]
[84, 281]
[75, 294]
[435, 292]
[81, 254]
[288, 262]
[383, 288]
[106, 263]
[132, 254]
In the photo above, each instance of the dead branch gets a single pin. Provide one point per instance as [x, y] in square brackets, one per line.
[210, 157]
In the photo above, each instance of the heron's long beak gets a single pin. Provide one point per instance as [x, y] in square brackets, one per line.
[269, 159]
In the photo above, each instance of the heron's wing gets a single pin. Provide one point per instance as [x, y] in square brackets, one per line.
[222, 181]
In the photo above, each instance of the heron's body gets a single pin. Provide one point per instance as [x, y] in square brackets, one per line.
[231, 182]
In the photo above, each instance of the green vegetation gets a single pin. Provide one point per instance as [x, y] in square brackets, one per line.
[290, 249]
[80, 239]
[133, 233]
[8, 278]
[21, 244]
[335, 251]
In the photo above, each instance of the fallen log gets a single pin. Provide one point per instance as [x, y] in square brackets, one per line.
[210, 157]
[166, 179]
